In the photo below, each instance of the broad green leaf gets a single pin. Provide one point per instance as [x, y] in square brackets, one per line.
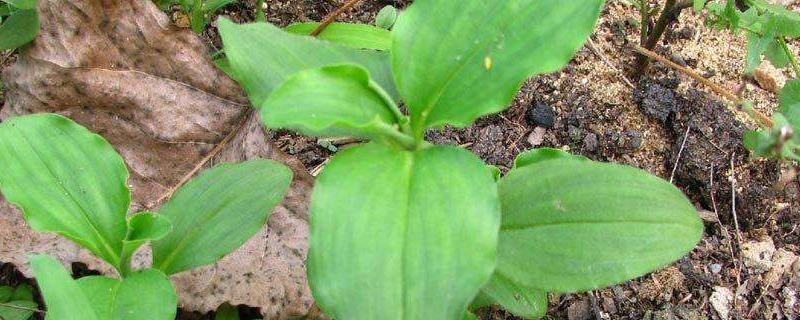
[355, 35]
[787, 22]
[66, 180]
[19, 28]
[101, 292]
[143, 227]
[401, 235]
[386, 17]
[212, 6]
[756, 46]
[5, 293]
[62, 295]
[331, 101]
[23, 292]
[456, 60]
[578, 225]
[23, 4]
[216, 212]
[469, 316]
[263, 56]
[227, 312]
[790, 105]
[542, 154]
[776, 55]
[18, 310]
[144, 295]
[523, 302]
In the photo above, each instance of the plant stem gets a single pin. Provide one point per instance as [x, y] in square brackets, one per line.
[669, 14]
[11, 306]
[714, 87]
[644, 11]
[394, 135]
[792, 58]
[332, 17]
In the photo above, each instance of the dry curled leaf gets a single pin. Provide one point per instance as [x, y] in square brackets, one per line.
[120, 69]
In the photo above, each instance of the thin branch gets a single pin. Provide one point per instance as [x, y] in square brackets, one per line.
[332, 17]
[680, 152]
[694, 75]
[211, 154]
[669, 14]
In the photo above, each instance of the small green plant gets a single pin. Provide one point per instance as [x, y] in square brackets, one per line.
[70, 181]
[17, 303]
[403, 229]
[20, 23]
[386, 17]
[199, 11]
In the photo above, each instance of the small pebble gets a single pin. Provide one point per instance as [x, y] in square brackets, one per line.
[541, 115]
[715, 268]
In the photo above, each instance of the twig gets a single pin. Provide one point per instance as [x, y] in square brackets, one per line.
[733, 201]
[332, 17]
[608, 63]
[713, 86]
[680, 152]
[722, 228]
[669, 14]
[211, 154]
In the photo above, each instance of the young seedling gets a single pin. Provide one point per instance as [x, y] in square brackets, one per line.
[200, 11]
[20, 23]
[403, 229]
[70, 181]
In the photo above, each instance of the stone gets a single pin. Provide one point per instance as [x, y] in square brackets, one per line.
[757, 255]
[769, 78]
[721, 300]
[590, 142]
[537, 136]
[541, 115]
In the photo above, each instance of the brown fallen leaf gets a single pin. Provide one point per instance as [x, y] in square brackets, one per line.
[120, 69]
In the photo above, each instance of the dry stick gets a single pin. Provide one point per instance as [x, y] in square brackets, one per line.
[680, 152]
[205, 159]
[722, 227]
[332, 16]
[694, 75]
[668, 15]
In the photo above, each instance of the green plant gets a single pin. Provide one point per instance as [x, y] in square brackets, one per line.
[70, 181]
[199, 11]
[403, 229]
[17, 303]
[20, 23]
[386, 17]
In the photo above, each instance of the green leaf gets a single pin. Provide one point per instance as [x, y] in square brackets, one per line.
[216, 212]
[790, 104]
[331, 101]
[263, 56]
[469, 316]
[776, 55]
[401, 235]
[101, 292]
[143, 227]
[457, 60]
[23, 292]
[386, 17]
[5, 293]
[787, 22]
[144, 295]
[18, 29]
[579, 225]
[523, 302]
[227, 312]
[9, 312]
[756, 46]
[211, 6]
[62, 295]
[23, 4]
[698, 5]
[542, 154]
[66, 180]
[355, 35]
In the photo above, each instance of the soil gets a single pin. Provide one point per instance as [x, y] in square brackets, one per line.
[663, 123]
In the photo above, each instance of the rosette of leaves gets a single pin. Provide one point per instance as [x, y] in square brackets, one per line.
[20, 23]
[70, 181]
[780, 141]
[403, 229]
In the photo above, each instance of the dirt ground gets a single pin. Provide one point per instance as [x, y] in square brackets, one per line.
[664, 123]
